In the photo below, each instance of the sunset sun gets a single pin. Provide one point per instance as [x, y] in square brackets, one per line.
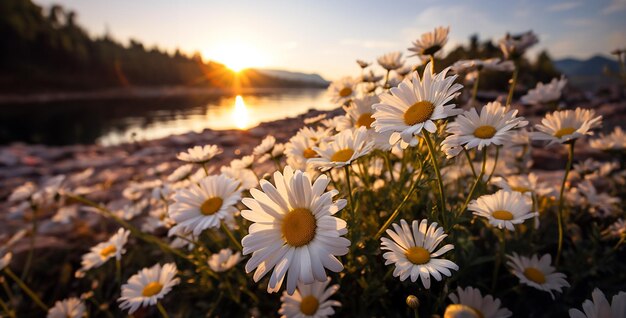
[236, 56]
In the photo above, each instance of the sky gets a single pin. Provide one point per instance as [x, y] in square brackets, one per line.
[327, 36]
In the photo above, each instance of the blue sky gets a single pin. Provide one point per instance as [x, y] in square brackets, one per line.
[327, 36]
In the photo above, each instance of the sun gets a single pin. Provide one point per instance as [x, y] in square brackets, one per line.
[237, 56]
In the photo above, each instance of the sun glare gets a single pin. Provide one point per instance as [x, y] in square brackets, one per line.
[240, 114]
[236, 56]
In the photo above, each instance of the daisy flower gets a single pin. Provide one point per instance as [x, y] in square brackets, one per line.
[566, 125]
[265, 146]
[181, 173]
[613, 141]
[545, 93]
[205, 204]
[104, 251]
[148, 286]
[493, 64]
[199, 154]
[299, 149]
[415, 104]
[23, 192]
[342, 90]
[494, 125]
[363, 64]
[309, 300]
[413, 251]
[68, 308]
[526, 184]
[246, 177]
[600, 204]
[224, 260]
[513, 47]
[359, 113]
[537, 273]
[473, 304]
[244, 162]
[391, 61]
[371, 77]
[314, 119]
[503, 209]
[430, 42]
[346, 147]
[615, 230]
[294, 231]
[599, 306]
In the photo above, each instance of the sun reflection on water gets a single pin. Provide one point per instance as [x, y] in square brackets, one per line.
[240, 115]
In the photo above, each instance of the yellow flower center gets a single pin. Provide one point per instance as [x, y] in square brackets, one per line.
[535, 275]
[309, 305]
[521, 189]
[345, 92]
[462, 311]
[502, 215]
[417, 255]
[299, 227]
[309, 153]
[342, 155]
[485, 132]
[107, 251]
[418, 113]
[211, 206]
[564, 131]
[152, 289]
[365, 120]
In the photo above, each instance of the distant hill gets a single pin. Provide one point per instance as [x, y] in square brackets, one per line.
[313, 78]
[590, 73]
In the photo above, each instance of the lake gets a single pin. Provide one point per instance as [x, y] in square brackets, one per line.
[120, 120]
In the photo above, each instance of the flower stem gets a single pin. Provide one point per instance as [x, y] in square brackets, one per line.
[231, 236]
[26, 289]
[31, 250]
[6, 309]
[118, 271]
[509, 98]
[568, 167]
[475, 88]
[469, 161]
[495, 164]
[389, 168]
[432, 64]
[206, 171]
[442, 198]
[350, 199]
[162, 310]
[499, 258]
[478, 179]
[395, 213]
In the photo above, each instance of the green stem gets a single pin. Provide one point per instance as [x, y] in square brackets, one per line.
[6, 309]
[433, 158]
[206, 171]
[509, 98]
[495, 164]
[469, 161]
[389, 168]
[395, 213]
[162, 310]
[386, 79]
[26, 289]
[31, 250]
[621, 240]
[350, 198]
[432, 64]
[499, 258]
[231, 236]
[478, 179]
[568, 167]
[118, 271]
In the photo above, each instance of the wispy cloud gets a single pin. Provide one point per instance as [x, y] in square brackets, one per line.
[564, 6]
[615, 6]
[578, 22]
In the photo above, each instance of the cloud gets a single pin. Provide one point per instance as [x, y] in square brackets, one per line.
[564, 6]
[370, 44]
[578, 22]
[615, 6]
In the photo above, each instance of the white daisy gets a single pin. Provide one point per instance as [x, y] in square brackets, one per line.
[309, 300]
[493, 64]
[314, 119]
[513, 47]
[493, 126]
[545, 93]
[224, 260]
[524, 183]
[613, 141]
[294, 231]
[430, 42]
[566, 125]
[265, 146]
[23, 192]
[199, 154]
[370, 77]
[363, 64]
[342, 90]
[537, 273]
[600, 204]
[599, 307]
[181, 173]
[246, 177]
[359, 113]
[104, 251]
[68, 308]
[503, 209]
[148, 286]
[205, 204]
[415, 104]
[412, 250]
[346, 147]
[244, 162]
[299, 149]
[615, 230]
[475, 305]
[391, 61]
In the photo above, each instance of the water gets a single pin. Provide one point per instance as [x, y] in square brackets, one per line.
[114, 121]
